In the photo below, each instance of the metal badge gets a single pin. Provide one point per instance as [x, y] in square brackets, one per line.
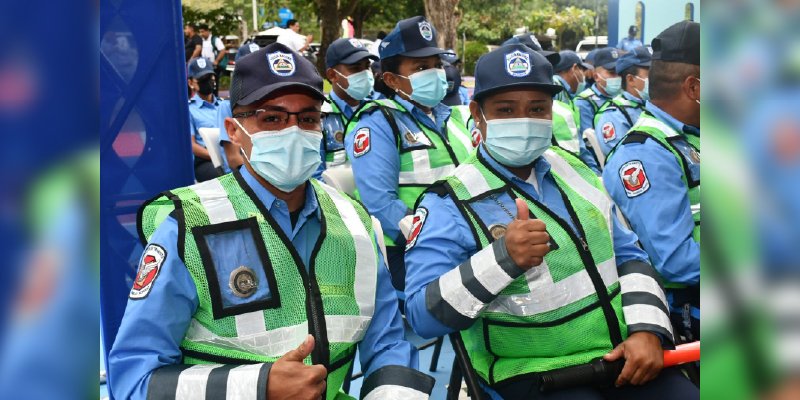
[694, 156]
[410, 137]
[243, 282]
[339, 136]
[497, 231]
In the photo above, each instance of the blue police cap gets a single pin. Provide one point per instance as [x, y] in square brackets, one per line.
[412, 37]
[568, 59]
[200, 67]
[246, 49]
[606, 58]
[346, 51]
[639, 57]
[678, 43]
[590, 57]
[513, 66]
[527, 39]
[450, 56]
[269, 69]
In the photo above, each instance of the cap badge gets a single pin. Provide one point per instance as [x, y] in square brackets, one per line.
[518, 64]
[201, 62]
[426, 30]
[614, 54]
[253, 47]
[281, 64]
[356, 43]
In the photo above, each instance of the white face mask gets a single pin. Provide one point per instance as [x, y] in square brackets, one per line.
[517, 142]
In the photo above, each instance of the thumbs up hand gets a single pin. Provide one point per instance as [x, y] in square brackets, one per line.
[289, 378]
[527, 241]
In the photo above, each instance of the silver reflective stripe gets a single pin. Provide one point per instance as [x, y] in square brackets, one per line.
[339, 157]
[395, 392]
[488, 272]
[345, 328]
[597, 197]
[564, 112]
[637, 282]
[695, 208]
[455, 130]
[214, 200]
[650, 122]
[192, 382]
[423, 174]
[366, 274]
[546, 295]
[646, 314]
[472, 179]
[243, 382]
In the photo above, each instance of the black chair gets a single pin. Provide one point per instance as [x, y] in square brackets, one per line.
[462, 368]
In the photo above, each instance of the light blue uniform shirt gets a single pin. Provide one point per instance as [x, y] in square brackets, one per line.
[565, 95]
[586, 109]
[617, 121]
[153, 327]
[377, 171]
[628, 44]
[463, 93]
[660, 215]
[202, 114]
[445, 240]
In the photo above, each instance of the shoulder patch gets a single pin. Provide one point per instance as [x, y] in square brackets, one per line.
[634, 179]
[149, 267]
[361, 142]
[416, 226]
[609, 133]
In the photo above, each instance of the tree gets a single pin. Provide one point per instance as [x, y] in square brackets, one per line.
[331, 15]
[571, 24]
[445, 17]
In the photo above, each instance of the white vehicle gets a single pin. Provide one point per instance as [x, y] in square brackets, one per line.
[590, 43]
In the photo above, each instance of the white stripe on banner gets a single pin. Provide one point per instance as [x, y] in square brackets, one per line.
[192, 382]
[646, 314]
[458, 296]
[366, 274]
[243, 382]
[395, 392]
[637, 282]
[488, 272]
[472, 179]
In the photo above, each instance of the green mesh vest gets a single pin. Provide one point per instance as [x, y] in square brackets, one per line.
[566, 120]
[565, 312]
[334, 299]
[622, 104]
[429, 160]
[590, 95]
[663, 134]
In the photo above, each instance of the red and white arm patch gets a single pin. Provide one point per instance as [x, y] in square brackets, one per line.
[609, 133]
[633, 178]
[149, 267]
[361, 142]
[416, 226]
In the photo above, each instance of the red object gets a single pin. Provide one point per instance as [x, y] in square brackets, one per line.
[689, 352]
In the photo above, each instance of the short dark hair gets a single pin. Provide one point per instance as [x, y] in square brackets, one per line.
[666, 78]
[381, 35]
[391, 64]
[632, 70]
[203, 27]
[191, 25]
[291, 22]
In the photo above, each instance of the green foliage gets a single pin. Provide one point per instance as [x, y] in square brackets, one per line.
[473, 51]
[488, 21]
[221, 21]
[571, 24]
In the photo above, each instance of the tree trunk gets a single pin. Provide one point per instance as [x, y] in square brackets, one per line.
[331, 18]
[444, 16]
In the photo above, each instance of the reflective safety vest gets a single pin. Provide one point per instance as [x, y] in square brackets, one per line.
[648, 126]
[593, 98]
[333, 298]
[425, 155]
[566, 120]
[335, 127]
[622, 104]
[564, 312]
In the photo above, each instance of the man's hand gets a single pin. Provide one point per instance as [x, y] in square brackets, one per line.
[289, 378]
[527, 241]
[644, 358]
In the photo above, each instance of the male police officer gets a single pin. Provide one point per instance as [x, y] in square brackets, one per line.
[631, 42]
[401, 145]
[202, 114]
[520, 250]
[607, 86]
[267, 278]
[616, 117]
[348, 63]
[569, 73]
[654, 173]
[231, 153]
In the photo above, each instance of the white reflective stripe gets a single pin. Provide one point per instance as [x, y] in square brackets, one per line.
[366, 274]
[243, 382]
[376, 226]
[455, 294]
[272, 343]
[192, 382]
[650, 122]
[346, 328]
[546, 295]
[425, 176]
[488, 272]
[565, 113]
[472, 179]
[637, 282]
[597, 197]
[339, 157]
[250, 323]
[646, 314]
[214, 199]
[454, 131]
[695, 208]
[395, 392]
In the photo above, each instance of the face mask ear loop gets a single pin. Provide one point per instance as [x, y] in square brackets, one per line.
[241, 150]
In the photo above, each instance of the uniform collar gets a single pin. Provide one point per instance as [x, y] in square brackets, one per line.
[671, 121]
[440, 112]
[268, 199]
[196, 99]
[540, 167]
[632, 98]
[341, 105]
[598, 92]
[561, 81]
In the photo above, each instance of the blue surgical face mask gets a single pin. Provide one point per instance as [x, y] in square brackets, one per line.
[644, 94]
[613, 86]
[581, 82]
[285, 158]
[358, 85]
[517, 142]
[428, 87]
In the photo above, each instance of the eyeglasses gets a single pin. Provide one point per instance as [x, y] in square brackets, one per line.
[269, 120]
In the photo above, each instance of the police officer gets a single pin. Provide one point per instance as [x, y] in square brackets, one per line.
[616, 117]
[202, 114]
[401, 145]
[631, 42]
[654, 172]
[452, 58]
[607, 86]
[231, 153]
[266, 277]
[569, 74]
[519, 249]
[347, 62]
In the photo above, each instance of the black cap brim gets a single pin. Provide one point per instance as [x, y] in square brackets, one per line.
[265, 91]
[547, 88]
[358, 56]
[424, 52]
